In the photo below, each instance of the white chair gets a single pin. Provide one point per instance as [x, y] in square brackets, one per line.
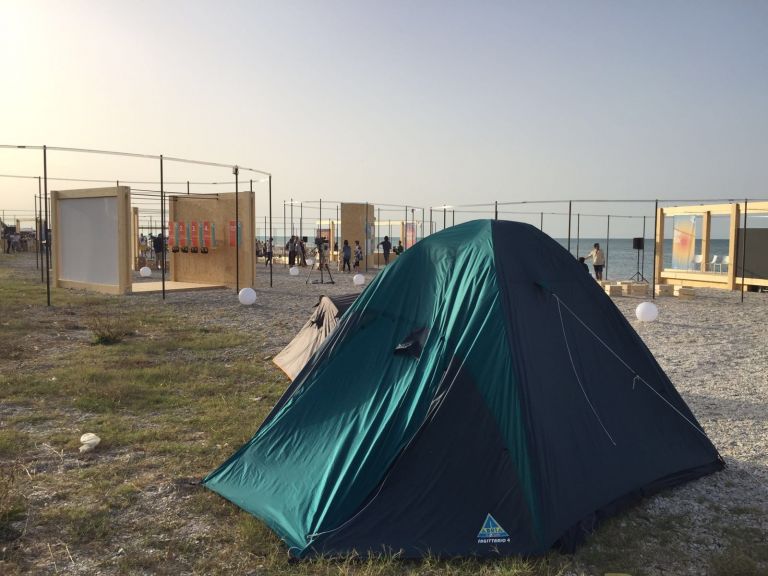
[726, 261]
[714, 262]
[697, 262]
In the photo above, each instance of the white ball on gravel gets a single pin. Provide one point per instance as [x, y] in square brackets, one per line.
[647, 312]
[294, 271]
[145, 272]
[358, 279]
[247, 296]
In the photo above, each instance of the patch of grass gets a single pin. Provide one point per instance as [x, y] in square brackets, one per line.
[81, 524]
[13, 443]
[109, 327]
[734, 560]
[11, 504]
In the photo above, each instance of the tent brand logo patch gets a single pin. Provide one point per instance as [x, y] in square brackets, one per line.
[492, 532]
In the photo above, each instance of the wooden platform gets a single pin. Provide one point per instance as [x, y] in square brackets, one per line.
[170, 286]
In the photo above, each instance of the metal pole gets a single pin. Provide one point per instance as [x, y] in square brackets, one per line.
[607, 244]
[569, 226]
[405, 230]
[445, 212]
[292, 231]
[365, 231]
[541, 222]
[422, 224]
[378, 231]
[187, 192]
[301, 219]
[431, 230]
[744, 254]
[284, 233]
[495, 209]
[162, 225]
[236, 171]
[655, 232]
[45, 231]
[453, 217]
[642, 263]
[37, 236]
[270, 230]
[578, 233]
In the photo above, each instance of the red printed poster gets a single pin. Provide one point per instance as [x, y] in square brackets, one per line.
[193, 232]
[207, 234]
[171, 234]
[182, 233]
[232, 233]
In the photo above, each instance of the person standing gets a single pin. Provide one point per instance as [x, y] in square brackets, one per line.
[386, 247]
[598, 260]
[346, 253]
[268, 259]
[291, 251]
[157, 246]
[358, 255]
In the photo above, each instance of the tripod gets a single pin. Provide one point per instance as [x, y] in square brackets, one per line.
[638, 276]
[321, 265]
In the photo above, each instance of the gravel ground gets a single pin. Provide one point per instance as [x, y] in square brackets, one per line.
[713, 348]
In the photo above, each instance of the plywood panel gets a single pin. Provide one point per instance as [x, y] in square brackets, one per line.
[355, 226]
[219, 264]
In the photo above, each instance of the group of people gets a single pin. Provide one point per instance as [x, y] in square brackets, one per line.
[346, 255]
[297, 251]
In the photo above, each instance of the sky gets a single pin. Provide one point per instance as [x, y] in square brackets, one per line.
[415, 102]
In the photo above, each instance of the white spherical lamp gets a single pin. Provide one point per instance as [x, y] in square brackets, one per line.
[310, 261]
[294, 271]
[247, 296]
[145, 272]
[647, 312]
[358, 279]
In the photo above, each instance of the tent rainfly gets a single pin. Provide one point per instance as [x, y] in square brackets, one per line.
[483, 396]
[321, 323]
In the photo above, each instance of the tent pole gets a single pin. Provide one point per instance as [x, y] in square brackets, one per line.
[569, 226]
[45, 231]
[655, 238]
[607, 245]
[744, 254]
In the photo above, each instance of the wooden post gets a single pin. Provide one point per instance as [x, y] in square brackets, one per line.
[658, 263]
[732, 239]
[705, 232]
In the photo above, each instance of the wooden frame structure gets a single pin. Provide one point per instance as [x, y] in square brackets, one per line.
[702, 277]
[96, 254]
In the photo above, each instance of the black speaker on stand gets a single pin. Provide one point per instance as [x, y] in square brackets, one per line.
[638, 244]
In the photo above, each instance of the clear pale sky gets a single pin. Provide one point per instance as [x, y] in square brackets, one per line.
[412, 102]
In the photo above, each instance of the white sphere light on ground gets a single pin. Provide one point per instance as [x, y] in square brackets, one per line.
[358, 279]
[294, 271]
[145, 272]
[310, 261]
[247, 296]
[647, 312]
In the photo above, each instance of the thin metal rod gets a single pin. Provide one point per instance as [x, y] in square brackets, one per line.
[655, 236]
[162, 227]
[237, 230]
[744, 254]
[569, 227]
[642, 263]
[37, 237]
[496, 210]
[47, 239]
[405, 230]
[284, 232]
[541, 222]
[578, 233]
[271, 238]
[607, 246]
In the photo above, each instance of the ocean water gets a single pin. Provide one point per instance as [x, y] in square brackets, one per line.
[621, 259]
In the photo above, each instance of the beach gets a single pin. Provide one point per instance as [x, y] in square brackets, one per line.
[713, 348]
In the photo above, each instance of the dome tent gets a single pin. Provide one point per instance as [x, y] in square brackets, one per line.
[481, 397]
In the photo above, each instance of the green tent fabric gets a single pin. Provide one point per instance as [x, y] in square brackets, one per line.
[454, 411]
